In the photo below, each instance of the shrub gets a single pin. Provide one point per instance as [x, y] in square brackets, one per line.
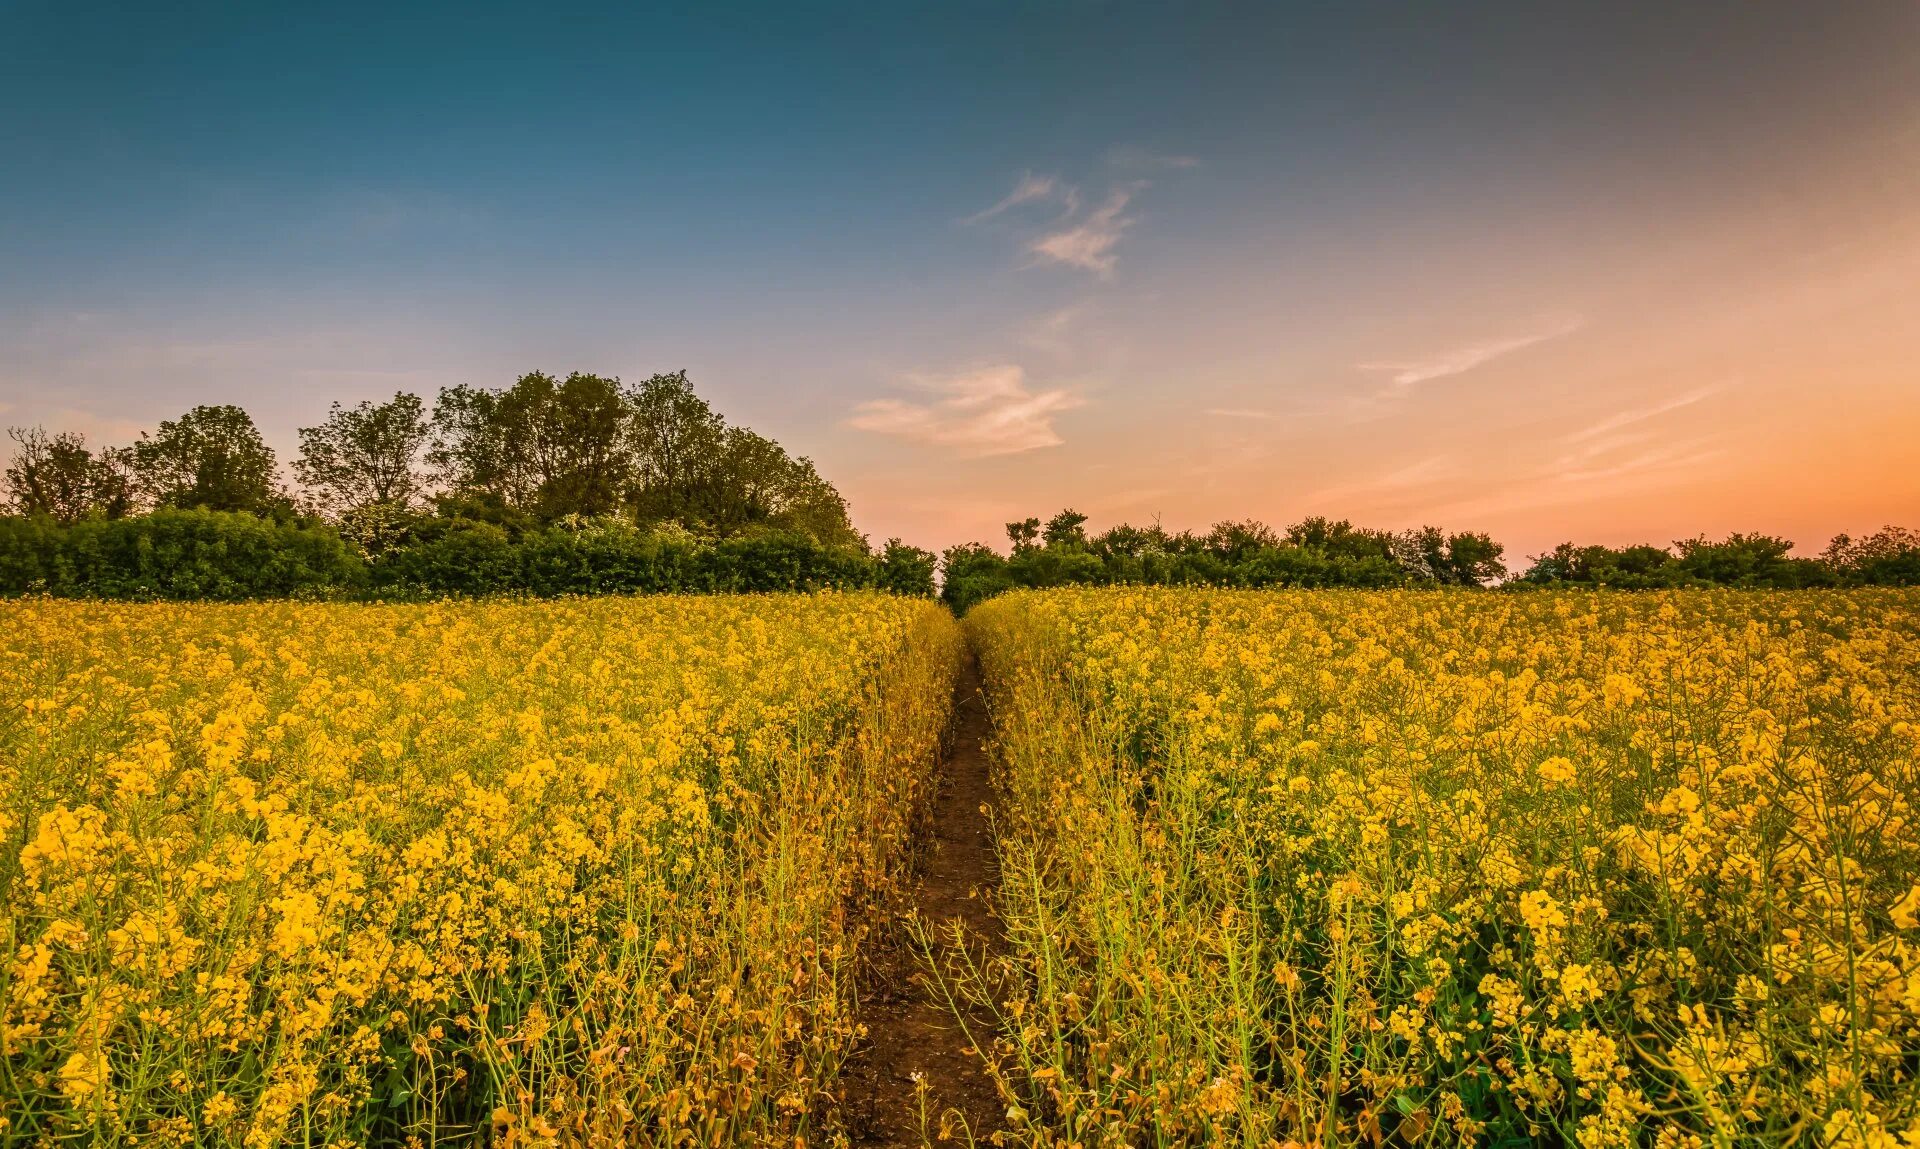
[176, 554]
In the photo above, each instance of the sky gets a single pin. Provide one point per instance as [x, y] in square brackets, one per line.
[1610, 272]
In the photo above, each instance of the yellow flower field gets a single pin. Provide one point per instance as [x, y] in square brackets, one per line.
[495, 873]
[1367, 868]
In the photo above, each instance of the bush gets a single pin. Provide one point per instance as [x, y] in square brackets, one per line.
[905, 570]
[463, 558]
[175, 554]
[224, 555]
[1316, 553]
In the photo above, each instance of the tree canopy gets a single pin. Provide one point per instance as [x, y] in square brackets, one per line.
[211, 457]
[364, 456]
[57, 476]
[588, 445]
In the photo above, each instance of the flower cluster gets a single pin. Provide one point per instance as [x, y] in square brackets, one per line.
[515, 873]
[1359, 867]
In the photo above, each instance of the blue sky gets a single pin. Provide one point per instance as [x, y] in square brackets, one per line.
[1543, 270]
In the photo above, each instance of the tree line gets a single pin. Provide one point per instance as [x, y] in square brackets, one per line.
[550, 485]
[1888, 557]
[534, 453]
[1316, 552]
[589, 485]
[1324, 552]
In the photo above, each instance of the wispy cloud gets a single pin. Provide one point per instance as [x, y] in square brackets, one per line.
[1629, 443]
[1642, 414]
[1082, 236]
[1242, 413]
[1458, 360]
[990, 411]
[1089, 243]
[1030, 188]
[1669, 459]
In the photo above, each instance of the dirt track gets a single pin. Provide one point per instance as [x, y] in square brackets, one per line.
[910, 1028]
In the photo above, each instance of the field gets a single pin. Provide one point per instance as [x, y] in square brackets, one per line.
[486, 872]
[1425, 868]
[1275, 869]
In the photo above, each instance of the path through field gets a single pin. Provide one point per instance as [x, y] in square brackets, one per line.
[910, 1028]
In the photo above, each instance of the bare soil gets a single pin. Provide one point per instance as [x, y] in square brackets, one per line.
[910, 1028]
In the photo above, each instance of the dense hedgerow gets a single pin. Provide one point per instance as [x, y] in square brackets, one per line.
[1320, 553]
[198, 554]
[172, 554]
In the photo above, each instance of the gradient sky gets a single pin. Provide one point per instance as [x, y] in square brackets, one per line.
[1609, 272]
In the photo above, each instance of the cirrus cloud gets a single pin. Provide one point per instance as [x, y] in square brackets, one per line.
[1405, 373]
[988, 411]
[1089, 244]
[1030, 188]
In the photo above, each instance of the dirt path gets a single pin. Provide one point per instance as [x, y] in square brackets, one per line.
[910, 1029]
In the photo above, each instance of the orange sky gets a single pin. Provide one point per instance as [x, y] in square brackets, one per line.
[1731, 357]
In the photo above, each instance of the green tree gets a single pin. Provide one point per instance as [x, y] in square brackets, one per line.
[56, 475]
[1749, 560]
[211, 457]
[363, 456]
[1340, 539]
[1464, 559]
[1630, 568]
[905, 569]
[1125, 541]
[678, 440]
[477, 451]
[1889, 556]
[1235, 542]
[546, 449]
[1066, 529]
[816, 507]
[545, 446]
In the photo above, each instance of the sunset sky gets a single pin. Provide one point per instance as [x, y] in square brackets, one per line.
[1605, 272]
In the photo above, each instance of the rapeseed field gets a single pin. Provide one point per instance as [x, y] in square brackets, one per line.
[1365, 868]
[487, 873]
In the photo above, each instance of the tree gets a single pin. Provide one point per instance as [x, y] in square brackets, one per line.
[1889, 543]
[1473, 559]
[1465, 559]
[754, 482]
[475, 451]
[363, 456]
[546, 446]
[580, 437]
[1124, 541]
[56, 475]
[1749, 560]
[805, 502]
[1632, 568]
[1234, 542]
[1341, 539]
[545, 449]
[905, 569]
[972, 572]
[1888, 557]
[677, 440]
[211, 457]
[1023, 534]
[1068, 528]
